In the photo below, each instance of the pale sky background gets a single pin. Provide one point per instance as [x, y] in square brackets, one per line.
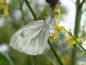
[69, 19]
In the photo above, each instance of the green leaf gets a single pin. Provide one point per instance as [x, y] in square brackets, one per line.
[3, 59]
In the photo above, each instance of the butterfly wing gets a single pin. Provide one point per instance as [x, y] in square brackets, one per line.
[32, 38]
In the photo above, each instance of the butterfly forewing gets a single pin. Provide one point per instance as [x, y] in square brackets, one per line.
[32, 38]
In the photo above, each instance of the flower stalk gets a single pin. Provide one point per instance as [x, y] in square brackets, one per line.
[21, 8]
[76, 29]
[51, 46]
[29, 6]
[55, 53]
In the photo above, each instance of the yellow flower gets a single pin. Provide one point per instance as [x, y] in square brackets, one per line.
[57, 30]
[84, 64]
[1, 2]
[4, 8]
[55, 34]
[6, 13]
[71, 41]
[58, 15]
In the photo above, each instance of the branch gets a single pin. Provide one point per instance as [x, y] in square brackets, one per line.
[51, 46]
[78, 43]
[76, 30]
[81, 4]
[21, 8]
[55, 53]
[29, 6]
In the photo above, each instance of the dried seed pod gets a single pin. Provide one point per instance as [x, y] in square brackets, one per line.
[52, 3]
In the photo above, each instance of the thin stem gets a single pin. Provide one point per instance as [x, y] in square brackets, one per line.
[76, 30]
[21, 8]
[52, 48]
[78, 43]
[55, 53]
[32, 60]
[29, 6]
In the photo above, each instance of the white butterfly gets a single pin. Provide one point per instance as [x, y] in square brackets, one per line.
[32, 38]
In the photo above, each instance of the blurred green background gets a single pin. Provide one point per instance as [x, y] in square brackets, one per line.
[10, 24]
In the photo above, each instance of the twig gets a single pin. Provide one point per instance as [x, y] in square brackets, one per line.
[32, 60]
[29, 6]
[21, 8]
[55, 53]
[78, 43]
[76, 30]
[52, 48]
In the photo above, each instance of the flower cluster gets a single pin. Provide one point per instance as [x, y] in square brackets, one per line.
[4, 8]
[70, 39]
[57, 28]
